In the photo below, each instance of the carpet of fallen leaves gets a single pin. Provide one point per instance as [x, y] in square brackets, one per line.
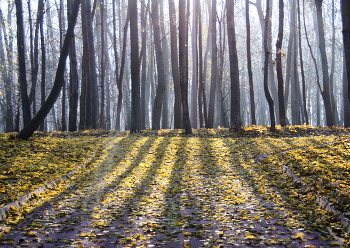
[168, 189]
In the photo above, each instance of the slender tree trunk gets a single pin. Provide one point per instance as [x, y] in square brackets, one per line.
[62, 28]
[266, 64]
[345, 10]
[43, 70]
[200, 65]
[249, 66]
[144, 65]
[178, 118]
[73, 85]
[135, 69]
[157, 107]
[331, 76]
[102, 111]
[213, 67]
[29, 129]
[22, 64]
[234, 70]
[194, 97]
[326, 90]
[346, 102]
[6, 76]
[183, 59]
[165, 51]
[279, 65]
[121, 74]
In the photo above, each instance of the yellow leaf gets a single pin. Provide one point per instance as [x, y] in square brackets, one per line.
[323, 238]
[250, 237]
[299, 236]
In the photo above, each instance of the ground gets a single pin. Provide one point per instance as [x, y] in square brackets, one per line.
[216, 188]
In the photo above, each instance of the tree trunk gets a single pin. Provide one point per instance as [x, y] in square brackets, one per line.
[178, 118]
[121, 74]
[6, 77]
[326, 91]
[144, 65]
[135, 69]
[249, 66]
[73, 85]
[266, 64]
[302, 68]
[22, 64]
[200, 65]
[43, 70]
[157, 107]
[194, 97]
[234, 70]
[279, 65]
[346, 102]
[29, 129]
[102, 111]
[62, 28]
[183, 59]
[331, 76]
[345, 10]
[213, 67]
[165, 51]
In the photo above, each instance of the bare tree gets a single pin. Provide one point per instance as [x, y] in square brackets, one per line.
[135, 69]
[29, 129]
[266, 64]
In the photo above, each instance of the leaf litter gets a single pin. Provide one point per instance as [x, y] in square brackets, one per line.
[167, 189]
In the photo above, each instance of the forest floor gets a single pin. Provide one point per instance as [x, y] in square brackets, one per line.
[215, 188]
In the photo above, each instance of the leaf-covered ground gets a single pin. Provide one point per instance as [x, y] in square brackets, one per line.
[166, 189]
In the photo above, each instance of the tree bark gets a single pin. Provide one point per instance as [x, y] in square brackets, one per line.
[326, 91]
[103, 69]
[135, 69]
[43, 70]
[234, 70]
[266, 64]
[22, 64]
[178, 118]
[73, 85]
[183, 59]
[279, 65]
[157, 107]
[213, 67]
[345, 10]
[29, 129]
[194, 97]
[249, 66]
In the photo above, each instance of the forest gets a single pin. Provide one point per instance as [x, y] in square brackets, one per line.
[133, 65]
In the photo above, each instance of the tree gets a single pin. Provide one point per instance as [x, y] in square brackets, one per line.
[279, 65]
[266, 64]
[345, 10]
[194, 97]
[29, 129]
[234, 70]
[183, 59]
[249, 66]
[213, 67]
[326, 91]
[135, 69]
[157, 107]
[22, 64]
[178, 118]
[73, 84]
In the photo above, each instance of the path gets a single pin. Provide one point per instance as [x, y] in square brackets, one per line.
[169, 192]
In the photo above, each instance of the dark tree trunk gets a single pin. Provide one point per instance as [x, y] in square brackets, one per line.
[183, 59]
[73, 85]
[266, 64]
[165, 51]
[62, 28]
[135, 69]
[326, 90]
[43, 71]
[157, 107]
[121, 74]
[144, 65]
[249, 66]
[279, 65]
[345, 10]
[200, 65]
[213, 66]
[302, 69]
[6, 77]
[194, 97]
[102, 111]
[234, 70]
[29, 129]
[22, 64]
[178, 118]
